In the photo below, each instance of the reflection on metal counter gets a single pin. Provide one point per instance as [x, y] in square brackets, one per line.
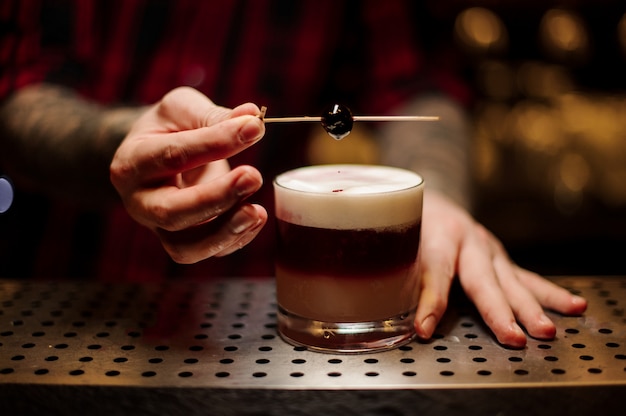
[212, 348]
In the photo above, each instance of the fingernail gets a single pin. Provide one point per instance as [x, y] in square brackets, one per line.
[251, 131]
[518, 330]
[242, 221]
[579, 302]
[544, 320]
[428, 326]
[516, 338]
[246, 185]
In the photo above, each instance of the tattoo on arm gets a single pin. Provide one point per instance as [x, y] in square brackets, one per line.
[61, 143]
[439, 151]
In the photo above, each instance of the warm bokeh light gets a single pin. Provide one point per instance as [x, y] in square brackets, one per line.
[564, 36]
[542, 80]
[480, 30]
[574, 171]
[359, 147]
[571, 146]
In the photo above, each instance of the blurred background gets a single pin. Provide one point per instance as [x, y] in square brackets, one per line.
[549, 125]
[548, 110]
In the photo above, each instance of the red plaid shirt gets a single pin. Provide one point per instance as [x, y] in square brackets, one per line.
[292, 56]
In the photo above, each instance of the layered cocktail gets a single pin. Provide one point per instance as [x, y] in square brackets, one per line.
[348, 238]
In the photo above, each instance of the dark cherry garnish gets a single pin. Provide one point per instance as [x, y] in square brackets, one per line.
[337, 121]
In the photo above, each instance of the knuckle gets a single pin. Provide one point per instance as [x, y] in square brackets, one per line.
[163, 217]
[174, 156]
[482, 232]
[172, 96]
[177, 253]
[120, 170]
[188, 254]
[454, 225]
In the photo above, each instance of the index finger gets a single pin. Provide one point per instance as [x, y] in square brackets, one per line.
[185, 108]
[480, 282]
[164, 155]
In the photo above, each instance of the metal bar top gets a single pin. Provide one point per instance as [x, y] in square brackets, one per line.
[222, 335]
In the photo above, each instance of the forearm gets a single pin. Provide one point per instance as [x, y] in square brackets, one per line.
[58, 143]
[439, 151]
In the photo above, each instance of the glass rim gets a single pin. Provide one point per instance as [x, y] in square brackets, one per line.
[351, 195]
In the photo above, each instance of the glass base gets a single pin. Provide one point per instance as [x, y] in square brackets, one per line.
[346, 337]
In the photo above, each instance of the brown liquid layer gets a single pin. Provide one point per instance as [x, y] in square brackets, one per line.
[347, 275]
[346, 253]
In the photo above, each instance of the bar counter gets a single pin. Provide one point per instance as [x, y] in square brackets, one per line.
[211, 348]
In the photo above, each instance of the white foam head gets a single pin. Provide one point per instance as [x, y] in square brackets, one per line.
[349, 196]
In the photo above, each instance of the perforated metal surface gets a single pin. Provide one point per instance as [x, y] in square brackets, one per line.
[223, 334]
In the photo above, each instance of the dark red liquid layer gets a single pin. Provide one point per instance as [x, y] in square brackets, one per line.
[346, 252]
